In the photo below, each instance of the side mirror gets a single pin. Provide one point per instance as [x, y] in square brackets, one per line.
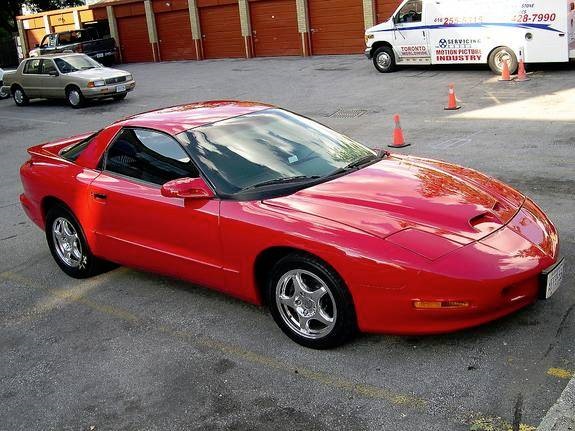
[187, 188]
[54, 73]
[394, 18]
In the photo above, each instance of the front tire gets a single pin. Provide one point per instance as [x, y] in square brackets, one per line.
[75, 97]
[68, 245]
[120, 96]
[19, 96]
[384, 59]
[310, 302]
[498, 56]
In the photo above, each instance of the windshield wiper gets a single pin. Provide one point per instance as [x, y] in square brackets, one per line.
[284, 180]
[360, 162]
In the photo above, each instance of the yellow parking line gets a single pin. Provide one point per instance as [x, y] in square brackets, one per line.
[77, 295]
[560, 373]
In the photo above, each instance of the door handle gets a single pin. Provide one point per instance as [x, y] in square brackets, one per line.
[100, 196]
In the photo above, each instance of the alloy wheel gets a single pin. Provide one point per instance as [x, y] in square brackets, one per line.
[306, 304]
[67, 243]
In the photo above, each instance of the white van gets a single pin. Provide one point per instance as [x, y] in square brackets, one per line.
[474, 31]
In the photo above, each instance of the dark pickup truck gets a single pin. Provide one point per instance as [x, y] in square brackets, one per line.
[87, 41]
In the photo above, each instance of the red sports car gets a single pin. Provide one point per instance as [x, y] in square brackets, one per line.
[274, 208]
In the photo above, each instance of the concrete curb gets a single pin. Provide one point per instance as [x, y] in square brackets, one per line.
[561, 416]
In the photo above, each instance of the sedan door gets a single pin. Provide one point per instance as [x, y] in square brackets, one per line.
[51, 82]
[31, 77]
[136, 226]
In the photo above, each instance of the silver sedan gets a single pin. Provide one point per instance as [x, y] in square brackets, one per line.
[74, 77]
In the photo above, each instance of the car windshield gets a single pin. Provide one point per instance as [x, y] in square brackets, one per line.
[270, 147]
[74, 63]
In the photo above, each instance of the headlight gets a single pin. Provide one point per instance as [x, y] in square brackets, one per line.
[99, 83]
[369, 36]
[129, 77]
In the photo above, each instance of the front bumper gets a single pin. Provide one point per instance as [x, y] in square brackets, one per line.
[496, 276]
[367, 53]
[108, 90]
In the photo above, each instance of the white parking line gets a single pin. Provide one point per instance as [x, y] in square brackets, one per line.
[32, 119]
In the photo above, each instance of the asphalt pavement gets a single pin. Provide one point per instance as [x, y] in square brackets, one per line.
[136, 351]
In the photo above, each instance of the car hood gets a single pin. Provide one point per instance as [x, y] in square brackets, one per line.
[98, 73]
[407, 193]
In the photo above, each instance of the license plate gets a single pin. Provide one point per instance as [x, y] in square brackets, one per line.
[552, 278]
[120, 88]
[99, 55]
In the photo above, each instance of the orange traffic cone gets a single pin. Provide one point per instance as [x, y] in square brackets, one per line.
[451, 100]
[398, 141]
[505, 75]
[521, 74]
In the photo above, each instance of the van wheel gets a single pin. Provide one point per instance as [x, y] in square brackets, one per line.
[498, 56]
[75, 97]
[20, 97]
[384, 59]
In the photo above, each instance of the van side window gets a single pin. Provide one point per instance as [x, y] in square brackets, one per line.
[410, 12]
[149, 156]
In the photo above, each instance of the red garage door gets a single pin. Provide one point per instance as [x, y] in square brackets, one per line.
[35, 37]
[175, 36]
[336, 26]
[384, 9]
[221, 31]
[274, 28]
[134, 40]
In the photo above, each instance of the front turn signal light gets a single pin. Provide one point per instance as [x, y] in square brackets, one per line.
[440, 304]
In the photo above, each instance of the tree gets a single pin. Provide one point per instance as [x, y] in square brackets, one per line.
[10, 9]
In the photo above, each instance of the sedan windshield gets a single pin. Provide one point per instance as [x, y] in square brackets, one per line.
[270, 148]
[74, 63]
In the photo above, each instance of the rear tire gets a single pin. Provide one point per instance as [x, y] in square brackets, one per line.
[384, 59]
[68, 245]
[310, 302]
[498, 55]
[20, 98]
[75, 97]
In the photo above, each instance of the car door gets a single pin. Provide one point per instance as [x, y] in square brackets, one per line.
[51, 85]
[31, 77]
[411, 34]
[136, 226]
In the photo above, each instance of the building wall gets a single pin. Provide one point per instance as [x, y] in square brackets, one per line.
[248, 27]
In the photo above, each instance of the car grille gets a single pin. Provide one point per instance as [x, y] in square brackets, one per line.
[116, 80]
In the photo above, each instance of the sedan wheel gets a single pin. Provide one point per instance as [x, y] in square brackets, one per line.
[310, 302]
[75, 98]
[20, 97]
